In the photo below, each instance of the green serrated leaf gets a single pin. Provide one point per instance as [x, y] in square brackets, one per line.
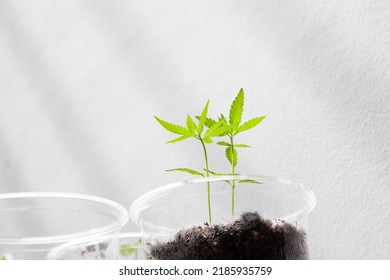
[216, 173]
[250, 124]
[188, 170]
[217, 129]
[191, 126]
[203, 117]
[207, 140]
[223, 143]
[181, 138]
[127, 250]
[215, 126]
[222, 117]
[250, 181]
[241, 146]
[209, 122]
[208, 170]
[231, 155]
[224, 122]
[236, 110]
[220, 131]
[174, 128]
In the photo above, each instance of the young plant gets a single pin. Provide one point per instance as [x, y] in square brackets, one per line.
[127, 250]
[197, 131]
[233, 127]
[216, 128]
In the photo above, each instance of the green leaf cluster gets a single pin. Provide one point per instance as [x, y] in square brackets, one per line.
[205, 129]
[235, 126]
[191, 130]
[195, 128]
[198, 132]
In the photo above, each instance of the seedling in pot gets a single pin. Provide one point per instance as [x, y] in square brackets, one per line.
[216, 128]
[249, 236]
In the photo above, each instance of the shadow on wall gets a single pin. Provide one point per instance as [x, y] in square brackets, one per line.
[67, 122]
[10, 175]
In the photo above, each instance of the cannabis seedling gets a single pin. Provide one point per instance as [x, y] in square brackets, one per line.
[127, 250]
[233, 127]
[197, 131]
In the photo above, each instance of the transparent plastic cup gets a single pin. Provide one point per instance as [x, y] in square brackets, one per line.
[32, 224]
[165, 215]
[129, 248]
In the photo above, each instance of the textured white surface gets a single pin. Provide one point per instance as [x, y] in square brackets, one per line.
[80, 82]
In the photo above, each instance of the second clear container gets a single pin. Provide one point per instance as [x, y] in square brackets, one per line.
[32, 224]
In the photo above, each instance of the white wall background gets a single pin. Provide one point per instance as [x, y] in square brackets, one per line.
[80, 82]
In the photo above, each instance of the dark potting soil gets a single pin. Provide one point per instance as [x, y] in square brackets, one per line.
[250, 237]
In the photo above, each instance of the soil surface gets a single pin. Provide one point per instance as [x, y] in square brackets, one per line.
[249, 237]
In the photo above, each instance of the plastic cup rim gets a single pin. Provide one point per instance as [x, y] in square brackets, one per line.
[138, 205]
[101, 231]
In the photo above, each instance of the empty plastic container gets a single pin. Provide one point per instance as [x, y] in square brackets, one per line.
[32, 224]
[129, 248]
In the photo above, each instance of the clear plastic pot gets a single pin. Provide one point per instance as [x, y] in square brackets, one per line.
[283, 207]
[34, 223]
[129, 248]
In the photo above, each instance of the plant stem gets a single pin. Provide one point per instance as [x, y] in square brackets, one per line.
[207, 175]
[232, 164]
